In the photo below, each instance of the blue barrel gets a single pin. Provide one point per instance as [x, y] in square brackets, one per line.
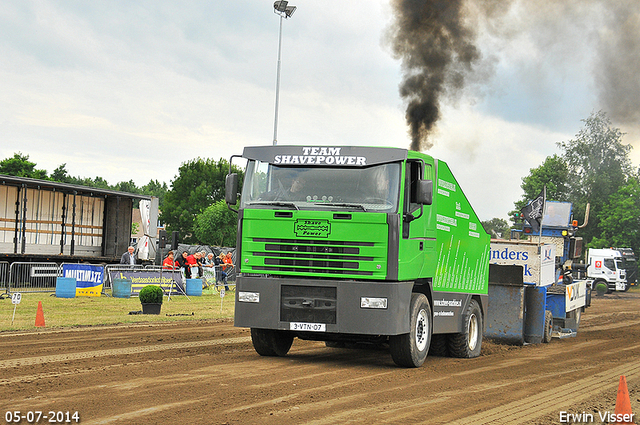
[66, 287]
[121, 288]
[194, 287]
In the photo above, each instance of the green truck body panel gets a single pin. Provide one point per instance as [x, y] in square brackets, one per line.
[314, 244]
[355, 231]
[462, 244]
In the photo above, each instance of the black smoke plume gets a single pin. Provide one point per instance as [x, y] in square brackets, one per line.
[618, 66]
[437, 52]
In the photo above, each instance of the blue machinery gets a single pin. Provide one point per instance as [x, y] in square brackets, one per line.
[520, 313]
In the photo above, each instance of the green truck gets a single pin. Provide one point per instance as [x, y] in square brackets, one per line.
[358, 245]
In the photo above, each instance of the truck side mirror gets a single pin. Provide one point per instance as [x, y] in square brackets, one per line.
[424, 192]
[231, 189]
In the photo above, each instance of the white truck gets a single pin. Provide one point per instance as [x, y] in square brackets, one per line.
[606, 266]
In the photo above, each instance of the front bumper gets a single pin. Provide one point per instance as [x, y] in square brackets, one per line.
[334, 303]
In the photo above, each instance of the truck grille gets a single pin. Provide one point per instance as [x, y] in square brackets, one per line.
[313, 256]
[309, 304]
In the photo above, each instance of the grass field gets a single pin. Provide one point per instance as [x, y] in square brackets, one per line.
[104, 310]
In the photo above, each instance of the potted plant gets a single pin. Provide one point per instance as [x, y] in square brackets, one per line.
[601, 289]
[151, 299]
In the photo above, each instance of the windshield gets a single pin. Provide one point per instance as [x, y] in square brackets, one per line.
[373, 188]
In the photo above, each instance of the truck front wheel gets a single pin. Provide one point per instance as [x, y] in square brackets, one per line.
[468, 343]
[271, 342]
[410, 350]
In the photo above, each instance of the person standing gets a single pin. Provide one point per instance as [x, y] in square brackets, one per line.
[194, 262]
[208, 266]
[129, 257]
[221, 275]
[183, 264]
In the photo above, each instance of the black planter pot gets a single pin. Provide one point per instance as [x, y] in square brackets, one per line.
[151, 308]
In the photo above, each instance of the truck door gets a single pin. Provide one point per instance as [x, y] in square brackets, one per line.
[418, 231]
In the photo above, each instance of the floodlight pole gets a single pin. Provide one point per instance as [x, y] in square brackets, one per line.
[280, 8]
[275, 121]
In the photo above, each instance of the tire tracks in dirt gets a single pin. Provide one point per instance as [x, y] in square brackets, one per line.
[556, 399]
[30, 361]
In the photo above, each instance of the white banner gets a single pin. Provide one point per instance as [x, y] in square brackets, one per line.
[143, 243]
[576, 295]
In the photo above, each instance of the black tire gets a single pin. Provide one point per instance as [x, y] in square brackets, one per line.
[599, 281]
[468, 343]
[410, 350]
[627, 285]
[548, 327]
[439, 346]
[271, 342]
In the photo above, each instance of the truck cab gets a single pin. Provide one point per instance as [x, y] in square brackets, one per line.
[630, 265]
[606, 266]
[348, 244]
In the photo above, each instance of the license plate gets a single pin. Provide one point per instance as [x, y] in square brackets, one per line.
[311, 327]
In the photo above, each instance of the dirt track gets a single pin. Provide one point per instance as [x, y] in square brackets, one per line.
[208, 372]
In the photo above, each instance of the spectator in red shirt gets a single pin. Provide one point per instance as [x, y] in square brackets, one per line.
[228, 260]
[169, 263]
[194, 261]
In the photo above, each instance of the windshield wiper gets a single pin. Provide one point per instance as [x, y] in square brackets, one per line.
[276, 203]
[342, 205]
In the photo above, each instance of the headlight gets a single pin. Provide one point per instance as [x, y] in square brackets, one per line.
[368, 302]
[249, 297]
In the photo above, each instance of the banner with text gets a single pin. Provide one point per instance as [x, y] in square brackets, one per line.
[141, 278]
[89, 278]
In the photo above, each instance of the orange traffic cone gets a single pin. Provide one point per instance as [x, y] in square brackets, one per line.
[623, 404]
[40, 316]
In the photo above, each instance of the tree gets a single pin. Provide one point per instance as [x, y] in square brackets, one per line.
[134, 228]
[157, 189]
[217, 225]
[553, 173]
[199, 184]
[620, 218]
[61, 174]
[129, 187]
[20, 166]
[497, 228]
[598, 164]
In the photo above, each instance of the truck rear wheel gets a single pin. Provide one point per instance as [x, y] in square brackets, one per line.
[438, 346]
[410, 350]
[271, 342]
[468, 343]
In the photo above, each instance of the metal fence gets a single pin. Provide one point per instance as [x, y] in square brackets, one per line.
[41, 277]
[33, 277]
[4, 277]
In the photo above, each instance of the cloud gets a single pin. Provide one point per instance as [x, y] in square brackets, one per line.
[489, 156]
[130, 91]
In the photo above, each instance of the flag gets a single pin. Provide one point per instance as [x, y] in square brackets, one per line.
[534, 210]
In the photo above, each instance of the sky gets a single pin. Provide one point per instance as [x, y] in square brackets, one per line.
[131, 90]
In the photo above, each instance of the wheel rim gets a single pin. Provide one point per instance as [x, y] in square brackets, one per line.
[422, 330]
[473, 332]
